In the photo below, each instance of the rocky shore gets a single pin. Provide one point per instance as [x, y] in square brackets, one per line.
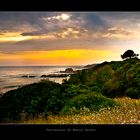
[67, 72]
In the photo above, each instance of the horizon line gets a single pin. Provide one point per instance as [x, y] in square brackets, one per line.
[39, 65]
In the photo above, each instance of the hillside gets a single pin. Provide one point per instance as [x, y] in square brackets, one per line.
[112, 79]
[89, 90]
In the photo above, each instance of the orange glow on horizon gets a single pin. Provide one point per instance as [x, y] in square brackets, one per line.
[57, 57]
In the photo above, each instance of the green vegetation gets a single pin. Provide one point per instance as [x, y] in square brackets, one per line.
[112, 79]
[87, 102]
[89, 90]
[125, 81]
[31, 100]
[127, 113]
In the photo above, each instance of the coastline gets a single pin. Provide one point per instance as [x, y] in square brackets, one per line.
[55, 76]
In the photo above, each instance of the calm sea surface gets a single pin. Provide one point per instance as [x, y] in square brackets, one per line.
[11, 76]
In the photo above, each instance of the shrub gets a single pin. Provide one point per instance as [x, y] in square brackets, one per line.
[133, 93]
[114, 89]
[32, 99]
[95, 89]
[90, 101]
[74, 90]
[125, 77]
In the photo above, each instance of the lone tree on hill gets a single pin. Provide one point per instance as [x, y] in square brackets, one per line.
[129, 54]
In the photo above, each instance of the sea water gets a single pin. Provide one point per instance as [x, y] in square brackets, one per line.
[12, 77]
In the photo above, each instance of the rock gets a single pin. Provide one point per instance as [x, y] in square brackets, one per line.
[68, 70]
[57, 75]
[43, 76]
[31, 76]
[54, 75]
[28, 76]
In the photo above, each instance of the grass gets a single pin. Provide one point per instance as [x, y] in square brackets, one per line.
[127, 113]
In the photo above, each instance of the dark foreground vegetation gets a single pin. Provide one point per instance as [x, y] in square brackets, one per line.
[91, 89]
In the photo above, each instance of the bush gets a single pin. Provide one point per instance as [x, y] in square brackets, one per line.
[74, 90]
[90, 101]
[32, 99]
[125, 77]
[114, 89]
[133, 93]
[95, 89]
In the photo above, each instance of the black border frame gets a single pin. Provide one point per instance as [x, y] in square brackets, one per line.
[96, 130]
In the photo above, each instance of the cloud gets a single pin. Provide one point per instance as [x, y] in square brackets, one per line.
[31, 23]
[123, 19]
[26, 31]
[116, 33]
[42, 23]
[22, 21]
[57, 22]
[62, 16]
[70, 38]
[95, 22]
[60, 24]
[44, 37]
[49, 44]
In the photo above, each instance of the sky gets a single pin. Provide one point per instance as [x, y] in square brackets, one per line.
[66, 38]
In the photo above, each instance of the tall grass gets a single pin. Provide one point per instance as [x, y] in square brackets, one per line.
[127, 113]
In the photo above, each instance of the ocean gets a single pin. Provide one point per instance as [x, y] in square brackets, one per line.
[12, 77]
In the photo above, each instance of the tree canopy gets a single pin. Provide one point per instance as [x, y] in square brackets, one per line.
[129, 54]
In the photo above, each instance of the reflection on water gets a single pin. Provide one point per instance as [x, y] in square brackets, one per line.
[13, 77]
[18, 82]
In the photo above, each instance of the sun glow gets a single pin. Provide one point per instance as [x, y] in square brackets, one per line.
[59, 17]
[16, 36]
[57, 57]
[65, 16]
[13, 36]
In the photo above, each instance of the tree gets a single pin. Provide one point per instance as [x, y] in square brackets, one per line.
[129, 54]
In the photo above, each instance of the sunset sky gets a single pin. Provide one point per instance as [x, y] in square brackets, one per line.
[67, 38]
